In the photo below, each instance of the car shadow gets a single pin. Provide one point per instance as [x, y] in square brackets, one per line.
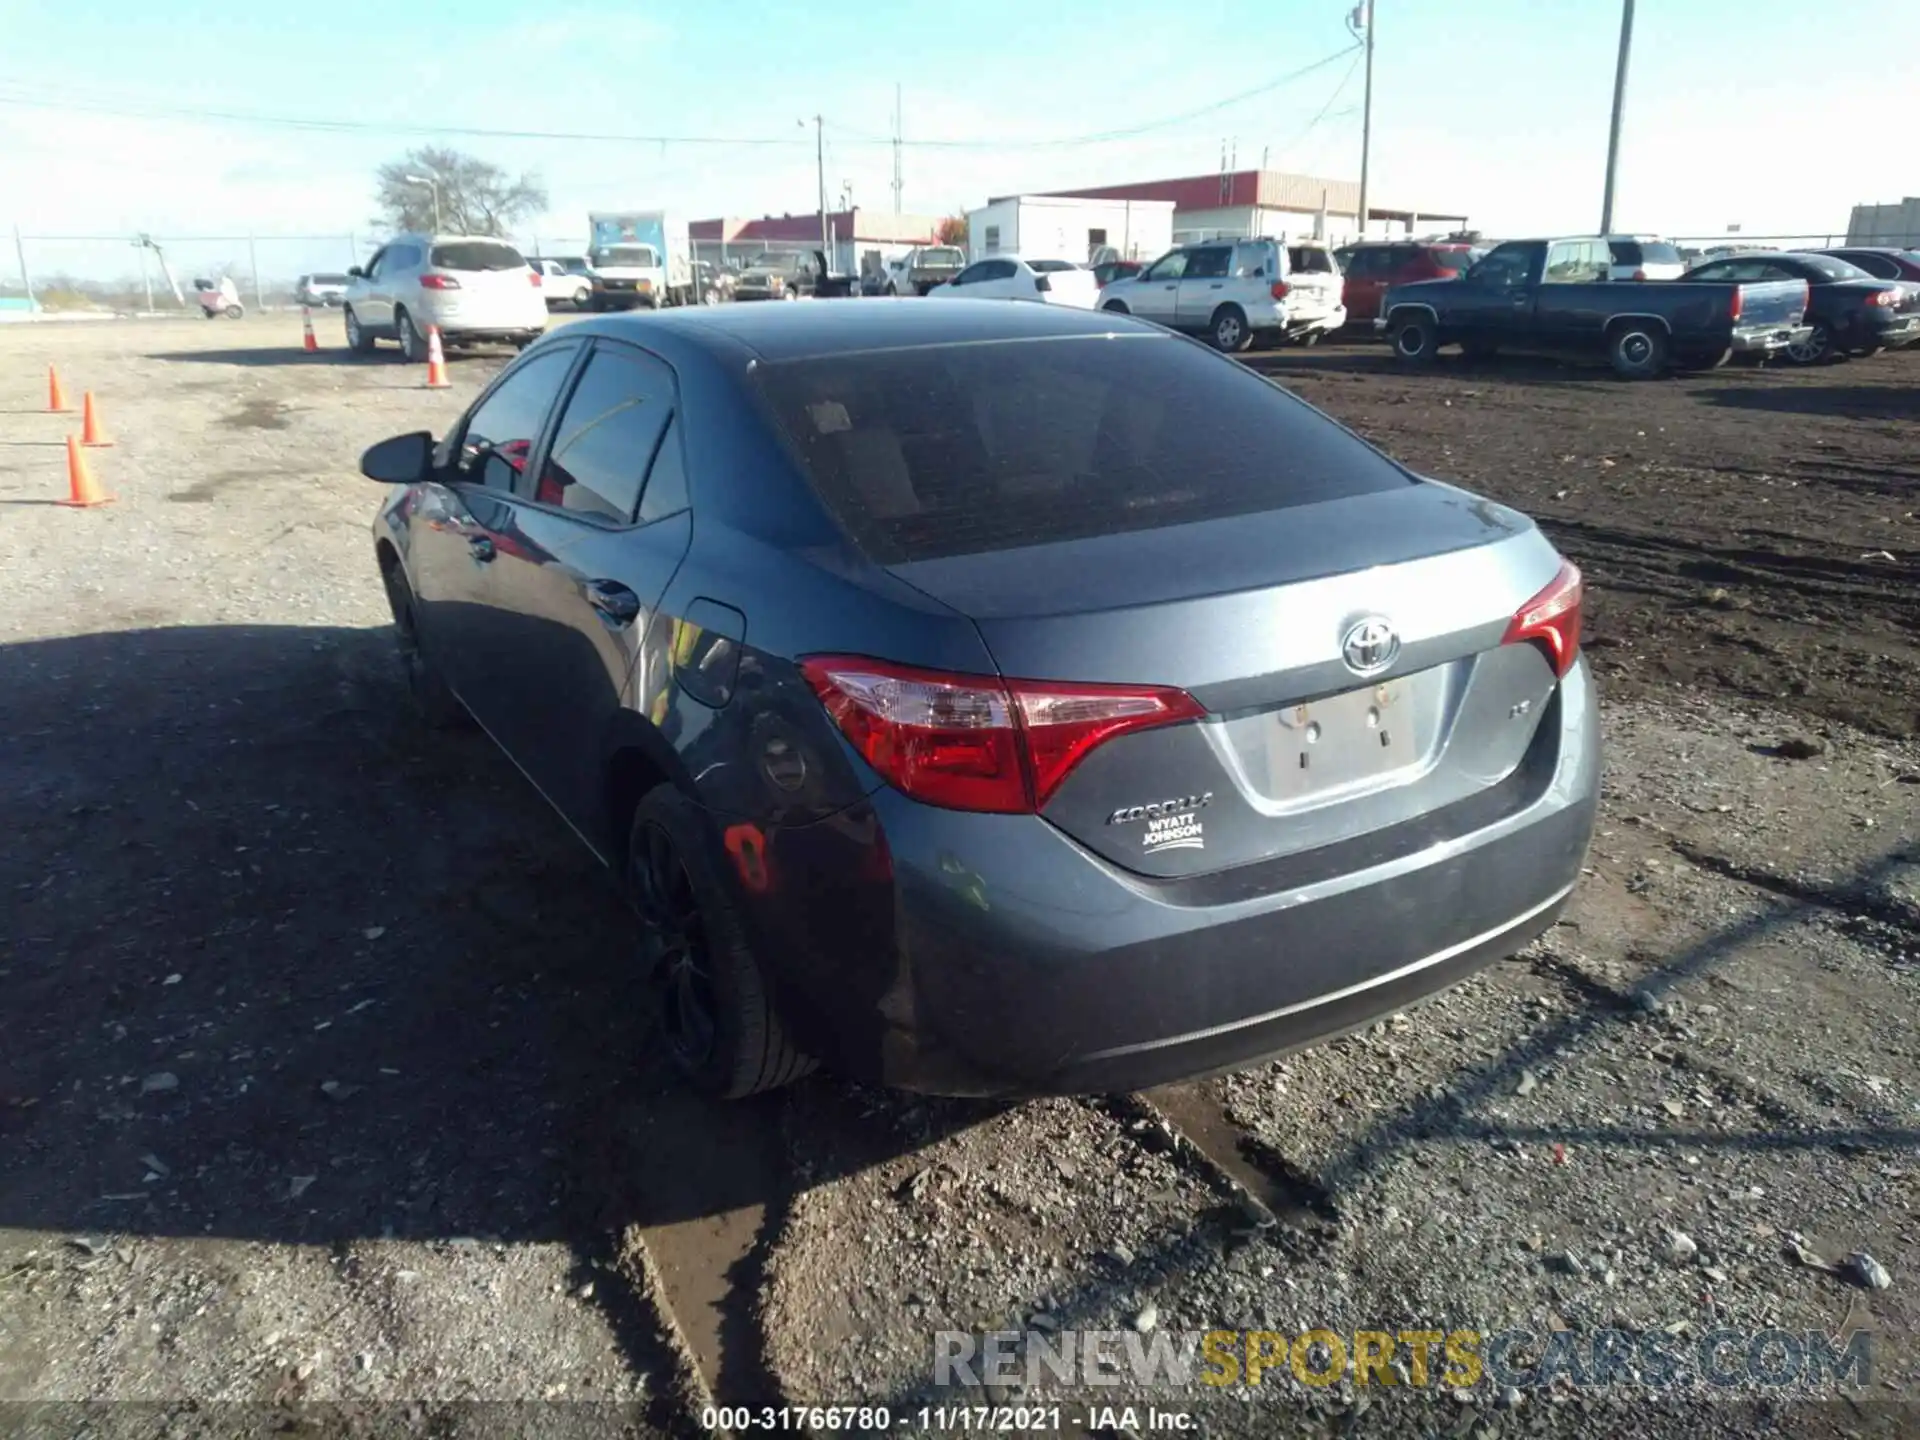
[1845, 402]
[287, 966]
[277, 355]
[1370, 359]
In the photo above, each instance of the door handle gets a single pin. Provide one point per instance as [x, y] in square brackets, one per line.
[1218, 285]
[481, 548]
[618, 606]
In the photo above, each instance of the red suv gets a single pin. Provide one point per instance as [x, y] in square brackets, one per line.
[1376, 264]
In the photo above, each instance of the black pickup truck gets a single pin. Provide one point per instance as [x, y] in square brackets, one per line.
[1555, 297]
[791, 277]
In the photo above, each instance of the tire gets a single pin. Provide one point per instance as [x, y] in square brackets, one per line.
[1415, 342]
[1637, 351]
[1310, 338]
[1816, 349]
[1867, 352]
[893, 291]
[413, 349]
[439, 708]
[234, 312]
[1229, 331]
[358, 340]
[716, 1014]
[789, 294]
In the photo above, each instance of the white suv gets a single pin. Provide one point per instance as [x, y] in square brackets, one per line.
[472, 287]
[1236, 291]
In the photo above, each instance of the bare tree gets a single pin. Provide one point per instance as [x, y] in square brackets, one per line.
[475, 197]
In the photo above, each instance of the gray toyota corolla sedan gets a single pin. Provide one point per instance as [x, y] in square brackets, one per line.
[986, 698]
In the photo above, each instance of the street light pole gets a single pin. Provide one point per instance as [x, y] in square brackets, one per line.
[432, 185]
[820, 163]
[1363, 13]
[1619, 107]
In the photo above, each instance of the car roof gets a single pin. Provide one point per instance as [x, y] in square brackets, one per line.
[838, 327]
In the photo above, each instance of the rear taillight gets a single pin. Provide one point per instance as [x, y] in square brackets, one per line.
[1551, 620]
[1639, 274]
[1884, 297]
[533, 278]
[1733, 305]
[1280, 290]
[974, 742]
[441, 282]
[1040, 282]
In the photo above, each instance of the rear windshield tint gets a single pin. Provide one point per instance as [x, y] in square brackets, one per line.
[1050, 267]
[477, 255]
[329, 279]
[963, 450]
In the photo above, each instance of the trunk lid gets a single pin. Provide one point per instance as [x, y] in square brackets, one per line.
[1252, 616]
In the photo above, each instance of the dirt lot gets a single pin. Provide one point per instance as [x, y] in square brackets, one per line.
[325, 1077]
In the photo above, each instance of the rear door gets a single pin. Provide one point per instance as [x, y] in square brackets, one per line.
[1364, 282]
[1312, 277]
[372, 301]
[1202, 287]
[593, 533]
[1572, 310]
[1340, 621]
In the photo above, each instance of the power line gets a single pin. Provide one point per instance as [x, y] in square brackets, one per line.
[1338, 91]
[28, 97]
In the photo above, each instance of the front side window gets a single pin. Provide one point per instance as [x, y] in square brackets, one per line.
[1507, 266]
[504, 427]
[607, 436]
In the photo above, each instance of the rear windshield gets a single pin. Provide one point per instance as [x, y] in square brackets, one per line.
[329, 279]
[1644, 252]
[964, 450]
[1050, 267]
[477, 255]
[942, 257]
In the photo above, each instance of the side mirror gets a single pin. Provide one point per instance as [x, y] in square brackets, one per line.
[399, 460]
[356, 272]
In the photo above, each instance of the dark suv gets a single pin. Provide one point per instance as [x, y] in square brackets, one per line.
[1373, 267]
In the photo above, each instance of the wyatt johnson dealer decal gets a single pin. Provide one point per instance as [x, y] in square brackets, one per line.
[1170, 824]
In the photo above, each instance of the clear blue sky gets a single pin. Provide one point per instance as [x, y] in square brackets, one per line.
[1497, 108]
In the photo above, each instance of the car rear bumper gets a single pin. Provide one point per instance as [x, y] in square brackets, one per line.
[1895, 330]
[984, 954]
[1766, 339]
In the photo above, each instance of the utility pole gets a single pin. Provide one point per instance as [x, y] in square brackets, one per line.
[896, 149]
[26, 280]
[820, 162]
[1619, 106]
[1363, 18]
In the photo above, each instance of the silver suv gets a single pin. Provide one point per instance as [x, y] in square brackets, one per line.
[1235, 292]
[473, 287]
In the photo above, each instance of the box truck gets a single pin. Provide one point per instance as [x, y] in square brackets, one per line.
[639, 257]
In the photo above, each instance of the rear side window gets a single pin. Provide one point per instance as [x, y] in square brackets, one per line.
[963, 450]
[1881, 267]
[607, 436]
[477, 255]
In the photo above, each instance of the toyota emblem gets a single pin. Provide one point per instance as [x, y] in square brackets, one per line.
[1369, 646]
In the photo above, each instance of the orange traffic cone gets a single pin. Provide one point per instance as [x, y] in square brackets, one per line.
[306, 324]
[436, 361]
[92, 433]
[86, 491]
[56, 393]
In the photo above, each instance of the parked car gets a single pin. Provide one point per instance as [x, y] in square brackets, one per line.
[1234, 292]
[919, 270]
[1372, 267]
[321, 288]
[473, 287]
[1849, 312]
[714, 283]
[1883, 262]
[1013, 277]
[746, 628]
[1108, 270]
[559, 286]
[790, 277]
[1644, 257]
[1555, 297]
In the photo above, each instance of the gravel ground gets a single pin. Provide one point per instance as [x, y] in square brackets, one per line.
[324, 1076]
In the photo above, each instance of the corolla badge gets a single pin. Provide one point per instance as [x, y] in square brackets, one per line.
[1369, 646]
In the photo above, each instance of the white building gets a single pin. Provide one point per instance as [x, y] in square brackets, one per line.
[1069, 227]
[1237, 203]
